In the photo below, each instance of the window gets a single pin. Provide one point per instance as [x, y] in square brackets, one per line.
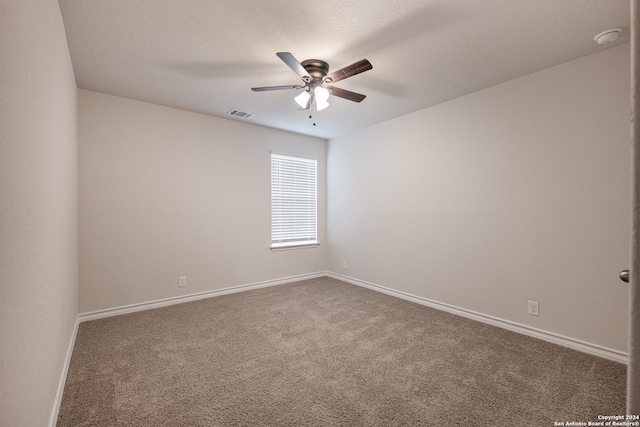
[293, 201]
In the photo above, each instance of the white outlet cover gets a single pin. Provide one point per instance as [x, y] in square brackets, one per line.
[533, 308]
[182, 281]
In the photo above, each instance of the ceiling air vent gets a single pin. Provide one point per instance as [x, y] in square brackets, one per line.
[237, 113]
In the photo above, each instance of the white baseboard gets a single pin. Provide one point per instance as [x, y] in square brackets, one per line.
[116, 311]
[585, 347]
[53, 419]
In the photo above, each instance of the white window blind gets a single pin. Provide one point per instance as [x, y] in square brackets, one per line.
[293, 201]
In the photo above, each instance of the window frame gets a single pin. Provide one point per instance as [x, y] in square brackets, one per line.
[277, 225]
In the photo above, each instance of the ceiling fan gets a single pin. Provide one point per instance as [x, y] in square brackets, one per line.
[315, 75]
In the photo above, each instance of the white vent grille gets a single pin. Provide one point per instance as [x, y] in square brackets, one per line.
[241, 114]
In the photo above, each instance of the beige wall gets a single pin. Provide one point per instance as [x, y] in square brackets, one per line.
[38, 209]
[517, 192]
[167, 193]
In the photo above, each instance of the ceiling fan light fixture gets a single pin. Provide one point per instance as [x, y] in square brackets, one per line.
[321, 105]
[322, 94]
[303, 99]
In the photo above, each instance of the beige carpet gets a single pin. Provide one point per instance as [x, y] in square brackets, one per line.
[325, 353]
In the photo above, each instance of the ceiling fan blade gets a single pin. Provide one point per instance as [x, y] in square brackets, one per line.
[350, 70]
[266, 88]
[346, 94]
[296, 66]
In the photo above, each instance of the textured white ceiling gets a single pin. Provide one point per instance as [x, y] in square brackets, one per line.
[205, 55]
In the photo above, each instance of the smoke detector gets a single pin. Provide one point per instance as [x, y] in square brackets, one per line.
[608, 36]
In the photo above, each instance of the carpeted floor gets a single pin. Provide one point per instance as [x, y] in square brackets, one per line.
[325, 353]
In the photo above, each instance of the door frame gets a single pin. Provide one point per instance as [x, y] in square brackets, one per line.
[633, 366]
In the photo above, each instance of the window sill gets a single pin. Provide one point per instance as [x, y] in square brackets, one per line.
[294, 245]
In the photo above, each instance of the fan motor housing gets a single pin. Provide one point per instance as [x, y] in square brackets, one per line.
[316, 68]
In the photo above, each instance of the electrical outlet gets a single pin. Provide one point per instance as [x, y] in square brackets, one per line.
[344, 265]
[182, 281]
[533, 308]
